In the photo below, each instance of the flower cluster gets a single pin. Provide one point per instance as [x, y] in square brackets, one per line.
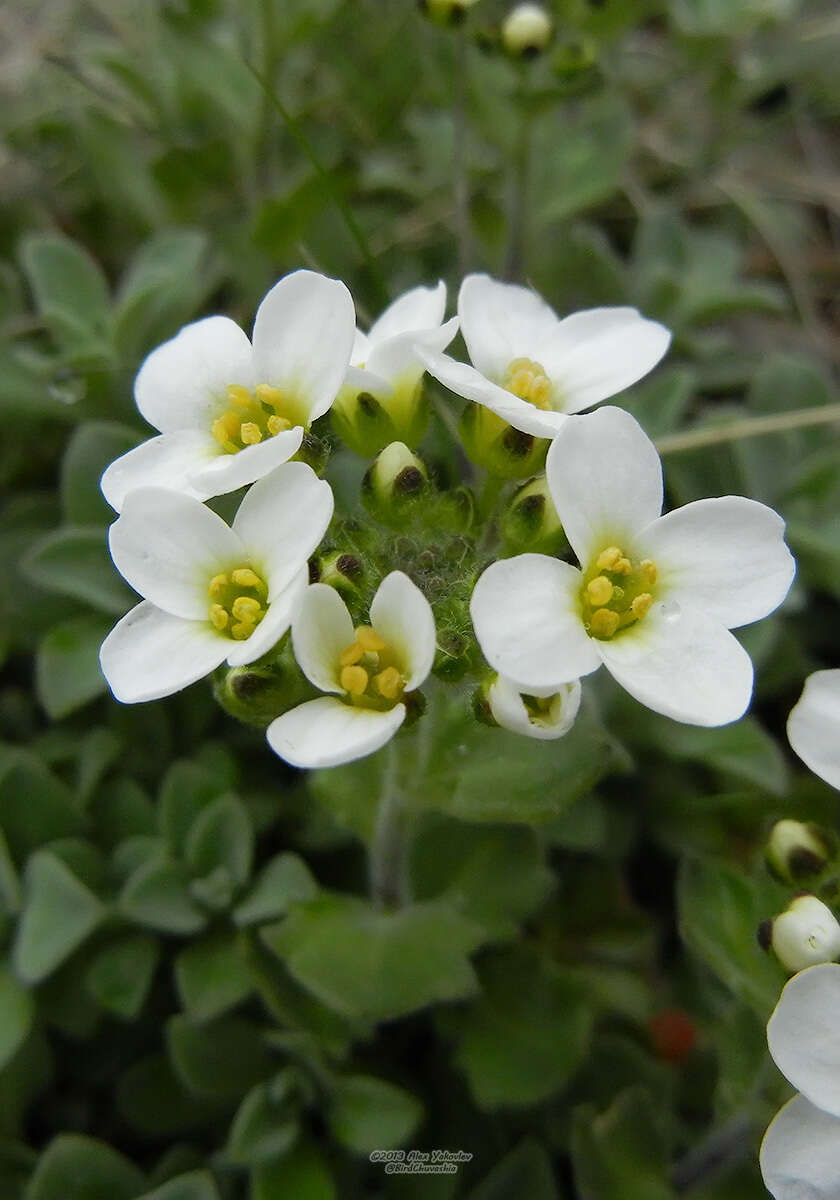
[374, 607]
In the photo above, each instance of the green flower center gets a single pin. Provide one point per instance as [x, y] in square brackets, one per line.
[617, 592]
[367, 672]
[238, 602]
[527, 380]
[251, 417]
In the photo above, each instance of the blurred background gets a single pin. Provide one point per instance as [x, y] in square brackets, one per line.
[576, 998]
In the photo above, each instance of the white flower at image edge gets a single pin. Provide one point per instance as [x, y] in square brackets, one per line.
[655, 596]
[384, 360]
[229, 411]
[366, 670]
[814, 725]
[212, 592]
[542, 717]
[800, 1153]
[531, 368]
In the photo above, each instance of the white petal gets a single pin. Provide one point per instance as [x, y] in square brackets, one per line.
[682, 664]
[282, 520]
[396, 360]
[421, 308]
[228, 472]
[725, 556]
[282, 610]
[596, 354]
[321, 630]
[328, 733]
[402, 616]
[182, 384]
[150, 654]
[466, 381]
[166, 461]
[526, 618]
[803, 1035]
[509, 711]
[303, 338]
[361, 349]
[800, 1153]
[605, 479]
[814, 725]
[501, 322]
[169, 547]
[359, 379]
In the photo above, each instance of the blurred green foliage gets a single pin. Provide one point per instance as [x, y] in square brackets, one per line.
[197, 1000]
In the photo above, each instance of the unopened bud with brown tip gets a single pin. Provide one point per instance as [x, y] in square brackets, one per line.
[527, 30]
[338, 570]
[394, 484]
[798, 851]
[805, 934]
[500, 448]
[446, 12]
[530, 521]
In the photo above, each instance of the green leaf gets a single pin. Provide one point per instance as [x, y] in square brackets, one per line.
[152, 1099]
[526, 1034]
[743, 750]
[120, 974]
[265, 1126]
[16, 1010]
[212, 975]
[74, 562]
[621, 1152]
[67, 671]
[80, 1168]
[187, 788]
[219, 1060]
[525, 1171]
[284, 881]
[59, 913]
[163, 286]
[71, 294]
[35, 806]
[377, 965]
[157, 895]
[93, 446]
[579, 156]
[720, 910]
[368, 1114]
[303, 1174]
[221, 836]
[197, 1185]
[495, 876]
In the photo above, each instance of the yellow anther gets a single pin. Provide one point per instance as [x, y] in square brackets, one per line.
[527, 380]
[604, 623]
[607, 559]
[276, 424]
[354, 680]
[245, 577]
[599, 590]
[242, 630]
[246, 608]
[217, 585]
[237, 394]
[648, 568]
[641, 605]
[350, 654]
[369, 639]
[268, 394]
[224, 430]
[623, 567]
[218, 616]
[389, 683]
[250, 434]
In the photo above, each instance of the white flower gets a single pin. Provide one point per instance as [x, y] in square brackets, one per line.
[542, 717]
[212, 592]
[229, 411]
[367, 671]
[655, 596]
[800, 1154]
[526, 29]
[814, 725]
[531, 368]
[384, 362]
[805, 934]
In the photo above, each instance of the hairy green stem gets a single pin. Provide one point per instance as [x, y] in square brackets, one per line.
[518, 202]
[748, 427]
[387, 855]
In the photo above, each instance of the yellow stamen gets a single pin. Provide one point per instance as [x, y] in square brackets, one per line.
[242, 631]
[622, 567]
[250, 434]
[641, 605]
[369, 639]
[607, 559]
[354, 680]
[245, 577]
[246, 608]
[648, 568]
[217, 585]
[277, 425]
[604, 623]
[237, 394]
[350, 654]
[268, 394]
[389, 683]
[218, 616]
[599, 590]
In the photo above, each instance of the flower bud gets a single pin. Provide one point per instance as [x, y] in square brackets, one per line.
[530, 522]
[367, 423]
[805, 934]
[576, 67]
[798, 850]
[339, 570]
[394, 483]
[257, 694]
[527, 30]
[498, 447]
[313, 452]
[544, 718]
[446, 12]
